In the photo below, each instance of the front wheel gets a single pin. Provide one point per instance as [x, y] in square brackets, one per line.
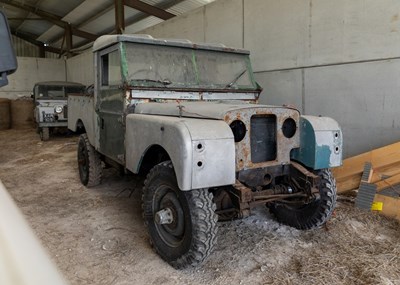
[89, 162]
[44, 134]
[313, 214]
[182, 224]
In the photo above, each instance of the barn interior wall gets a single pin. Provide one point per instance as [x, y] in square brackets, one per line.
[339, 59]
[23, 48]
[31, 70]
[331, 58]
[80, 68]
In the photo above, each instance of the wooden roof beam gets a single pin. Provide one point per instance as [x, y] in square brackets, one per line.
[149, 9]
[31, 39]
[54, 19]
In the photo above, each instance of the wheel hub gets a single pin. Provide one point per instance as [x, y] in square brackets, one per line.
[169, 219]
[164, 217]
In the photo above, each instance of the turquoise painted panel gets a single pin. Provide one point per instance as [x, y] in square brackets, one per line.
[306, 153]
[322, 156]
[320, 143]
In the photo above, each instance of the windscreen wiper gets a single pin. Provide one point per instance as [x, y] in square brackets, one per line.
[236, 78]
[163, 82]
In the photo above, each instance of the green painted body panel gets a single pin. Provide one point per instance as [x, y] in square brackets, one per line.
[111, 128]
[110, 110]
[320, 147]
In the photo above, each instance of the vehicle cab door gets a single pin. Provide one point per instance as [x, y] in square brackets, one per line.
[110, 105]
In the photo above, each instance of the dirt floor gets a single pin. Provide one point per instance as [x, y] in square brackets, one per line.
[97, 236]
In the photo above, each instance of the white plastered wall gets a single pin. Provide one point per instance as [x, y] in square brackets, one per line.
[332, 58]
[30, 71]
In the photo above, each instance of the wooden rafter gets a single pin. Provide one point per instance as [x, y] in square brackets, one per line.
[119, 16]
[30, 38]
[149, 9]
[54, 19]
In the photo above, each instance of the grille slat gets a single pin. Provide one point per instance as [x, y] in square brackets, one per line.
[65, 111]
[263, 138]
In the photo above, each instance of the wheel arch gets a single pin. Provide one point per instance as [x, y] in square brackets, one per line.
[202, 151]
[80, 127]
[152, 156]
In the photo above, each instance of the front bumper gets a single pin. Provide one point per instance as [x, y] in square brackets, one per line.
[53, 124]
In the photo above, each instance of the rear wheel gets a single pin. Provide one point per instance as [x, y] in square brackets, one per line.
[89, 162]
[313, 214]
[182, 224]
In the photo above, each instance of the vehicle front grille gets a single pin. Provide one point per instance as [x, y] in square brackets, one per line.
[65, 111]
[263, 138]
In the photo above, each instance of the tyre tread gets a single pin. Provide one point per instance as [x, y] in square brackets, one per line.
[45, 134]
[204, 221]
[95, 167]
[305, 221]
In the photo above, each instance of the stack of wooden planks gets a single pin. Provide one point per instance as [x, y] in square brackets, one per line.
[384, 174]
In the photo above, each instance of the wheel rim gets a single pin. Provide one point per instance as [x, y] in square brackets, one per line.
[83, 163]
[172, 233]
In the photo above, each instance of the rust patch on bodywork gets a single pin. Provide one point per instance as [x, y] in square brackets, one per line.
[283, 144]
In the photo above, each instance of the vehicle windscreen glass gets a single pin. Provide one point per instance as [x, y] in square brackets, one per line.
[50, 92]
[56, 92]
[174, 67]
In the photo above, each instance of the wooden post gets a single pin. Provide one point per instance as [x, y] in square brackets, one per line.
[119, 16]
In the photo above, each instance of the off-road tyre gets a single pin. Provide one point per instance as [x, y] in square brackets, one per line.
[311, 215]
[44, 134]
[89, 163]
[192, 235]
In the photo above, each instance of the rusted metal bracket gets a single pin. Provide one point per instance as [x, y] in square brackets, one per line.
[244, 197]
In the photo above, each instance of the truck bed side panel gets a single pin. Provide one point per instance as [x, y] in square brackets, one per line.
[81, 108]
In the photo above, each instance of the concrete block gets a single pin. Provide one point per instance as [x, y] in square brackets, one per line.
[276, 33]
[362, 97]
[80, 68]
[281, 87]
[188, 26]
[31, 70]
[348, 31]
[224, 23]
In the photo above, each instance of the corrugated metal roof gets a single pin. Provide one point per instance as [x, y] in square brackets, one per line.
[96, 17]
[177, 9]
[23, 48]
[188, 5]
[143, 24]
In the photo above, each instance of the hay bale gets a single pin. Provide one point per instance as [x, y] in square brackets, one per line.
[22, 113]
[5, 115]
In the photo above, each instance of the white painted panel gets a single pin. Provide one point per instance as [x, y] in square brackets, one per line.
[30, 71]
[289, 34]
[343, 31]
[224, 23]
[281, 87]
[188, 26]
[80, 68]
[363, 98]
[276, 33]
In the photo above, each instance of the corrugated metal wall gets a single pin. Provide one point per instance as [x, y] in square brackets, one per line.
[25, 49]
